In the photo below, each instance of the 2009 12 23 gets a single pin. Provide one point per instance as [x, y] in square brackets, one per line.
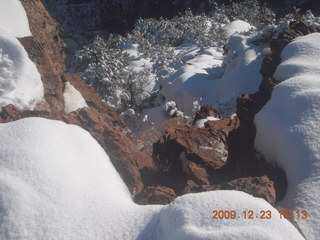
[263, 214]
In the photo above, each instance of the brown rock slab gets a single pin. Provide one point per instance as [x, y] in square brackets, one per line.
[203, 146]
[192, 187]
[155, 195]
[261, 187]
[204, 112]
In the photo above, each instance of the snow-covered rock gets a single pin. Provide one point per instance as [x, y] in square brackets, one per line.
[73, 99]
[20, 81]
[200, 123]
[13, 19]
[56, 182]
[209, 80]
[288, 128]
[237, 26]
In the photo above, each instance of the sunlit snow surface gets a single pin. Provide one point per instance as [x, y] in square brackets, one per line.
[20, 81]
[208, 79]
[13, 18]
[56, 182]
[73, 99]
[237, 26]
[288, 128]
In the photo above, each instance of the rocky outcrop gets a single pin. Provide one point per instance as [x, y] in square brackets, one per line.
[46, 49]
[189, 158]
[261, 187]
[155, 195]
[243, 160]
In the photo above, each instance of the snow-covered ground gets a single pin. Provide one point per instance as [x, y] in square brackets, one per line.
[210, 80]
[20, 81]
[288, 128]
[13, 18]
[56, 182]
[206, 76]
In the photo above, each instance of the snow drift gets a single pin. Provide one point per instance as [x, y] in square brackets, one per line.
[288, 128]
[208, 79]
[13, 18]
[56, 182]
[20, 81]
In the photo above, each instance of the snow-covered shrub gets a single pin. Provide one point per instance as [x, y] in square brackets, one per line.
[165, 45]
[251, 11]
[172, 109]
[186, 27]
[103, 65]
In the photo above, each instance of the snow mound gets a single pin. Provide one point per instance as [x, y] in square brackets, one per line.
[56, 182]
[20, 81]
[193, 212]
[13, 18]
[200, 123]
[237, 26]
[209, 80]
[288, 128]
[73, 99]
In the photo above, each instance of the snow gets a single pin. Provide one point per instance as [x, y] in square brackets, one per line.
[288, 128]
[208, 79]
[193, 213]
[200, 123]
[132, 50]
[73, 99]
[144, 66]
[20, 81]
[56, 182]
[13, 19]
[237, 26]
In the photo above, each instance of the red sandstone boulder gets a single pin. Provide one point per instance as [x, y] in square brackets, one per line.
[155, 195]
[257, 186]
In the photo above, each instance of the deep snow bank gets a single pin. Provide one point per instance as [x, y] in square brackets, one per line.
[288, 128]
[210, 78]
[13, 18]
[20, 81]
[56, 182]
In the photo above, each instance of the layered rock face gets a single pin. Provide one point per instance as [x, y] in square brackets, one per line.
[47, 50]
[191, 159]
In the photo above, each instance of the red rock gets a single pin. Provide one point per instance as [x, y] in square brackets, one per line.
[155, 195]
[204, 112]
[192, 187]
[225, 124]
[257, 186]
[9, 113]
